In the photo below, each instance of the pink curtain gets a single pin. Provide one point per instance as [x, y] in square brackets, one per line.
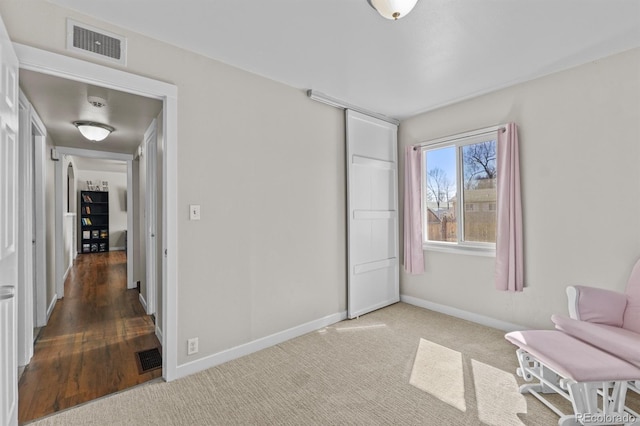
[413, 255]
[509, 263]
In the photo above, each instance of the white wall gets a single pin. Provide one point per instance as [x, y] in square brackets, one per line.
[267, 166]
[117, 202]
[579, 154]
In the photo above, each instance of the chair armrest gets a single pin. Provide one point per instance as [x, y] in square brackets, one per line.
[596, 305]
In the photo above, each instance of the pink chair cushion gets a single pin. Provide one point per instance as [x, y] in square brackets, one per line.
[632, 312]
[622, 343]
[572, 358]
[601, 306]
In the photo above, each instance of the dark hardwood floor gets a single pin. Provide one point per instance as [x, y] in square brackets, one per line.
[88, 348]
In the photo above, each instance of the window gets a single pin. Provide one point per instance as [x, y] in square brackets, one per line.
[459, 193]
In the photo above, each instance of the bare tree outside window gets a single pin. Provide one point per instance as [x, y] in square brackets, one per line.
[479, 163]
[438, 186]
[479, 193]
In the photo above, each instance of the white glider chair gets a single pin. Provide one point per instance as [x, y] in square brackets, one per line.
[606, 319]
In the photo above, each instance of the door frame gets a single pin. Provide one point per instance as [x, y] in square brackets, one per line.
[50, 63]
[32, 219]
[61, 268]
[151, 222]
[25, 235]
[360, 271]
[32, 269]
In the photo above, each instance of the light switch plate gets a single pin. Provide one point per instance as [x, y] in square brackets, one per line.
[194, 211]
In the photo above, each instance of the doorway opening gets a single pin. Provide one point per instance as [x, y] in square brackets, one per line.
[165, 94]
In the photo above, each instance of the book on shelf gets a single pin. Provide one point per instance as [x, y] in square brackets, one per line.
[86, 248]
[95, 234]
[87, 210]
[86, 198]
[86, 235]
[104, 233]
[103, 246]
[94, 247]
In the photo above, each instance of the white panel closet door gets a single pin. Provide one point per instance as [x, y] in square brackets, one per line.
[372, 204]
[8, 234]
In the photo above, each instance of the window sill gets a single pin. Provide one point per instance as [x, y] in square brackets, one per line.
[457, 249]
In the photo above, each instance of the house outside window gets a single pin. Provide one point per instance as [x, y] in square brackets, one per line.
[459, 194]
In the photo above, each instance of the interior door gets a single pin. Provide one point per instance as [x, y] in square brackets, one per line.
[8, 234]
[372, 204]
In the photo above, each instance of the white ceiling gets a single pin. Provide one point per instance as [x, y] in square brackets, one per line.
[59, 102]
[444, 51]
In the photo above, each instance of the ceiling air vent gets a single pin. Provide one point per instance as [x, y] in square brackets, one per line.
[97, 43]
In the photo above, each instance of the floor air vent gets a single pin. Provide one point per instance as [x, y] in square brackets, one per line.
[148, 360]
[95, 42]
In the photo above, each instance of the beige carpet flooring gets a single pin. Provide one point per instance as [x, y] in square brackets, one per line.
[401, 365]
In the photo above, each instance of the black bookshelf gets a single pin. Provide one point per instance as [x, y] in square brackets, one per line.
[94, 221]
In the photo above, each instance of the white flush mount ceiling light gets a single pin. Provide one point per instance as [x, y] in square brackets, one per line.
[93, 131]
[393, 9]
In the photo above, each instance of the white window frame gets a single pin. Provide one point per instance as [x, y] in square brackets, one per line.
[461, 246]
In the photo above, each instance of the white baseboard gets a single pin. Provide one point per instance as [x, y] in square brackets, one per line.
[66, 273]
[51, 306]
[159, 334]
[117, 248]
[256, 345]
[142, 302]
[459, 313]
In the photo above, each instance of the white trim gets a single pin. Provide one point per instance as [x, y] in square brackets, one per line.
[143, 302]
[159, 333]
[66, 273]
[58, 229]
[122, 248]
[150, 143]
[52, 305]
[66, 67]
[90, 153]
[130, 227]
[39, 210]
[170, 238]
[257, 345]
[444, 247]
[51, 63]
[25, 234]
[459, 313]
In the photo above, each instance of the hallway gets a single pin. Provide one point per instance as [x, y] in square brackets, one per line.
[88, 348]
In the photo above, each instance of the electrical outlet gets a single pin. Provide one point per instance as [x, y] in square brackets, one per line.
[192, 346]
